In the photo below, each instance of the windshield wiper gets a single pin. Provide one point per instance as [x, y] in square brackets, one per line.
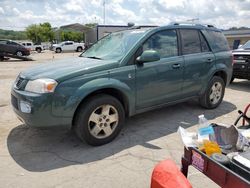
[94, 57]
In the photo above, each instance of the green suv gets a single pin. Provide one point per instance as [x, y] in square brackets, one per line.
[123, 74]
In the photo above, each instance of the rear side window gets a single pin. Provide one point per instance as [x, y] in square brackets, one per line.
[3, 42]
[219, 42]
[190, 41]
[164, 42]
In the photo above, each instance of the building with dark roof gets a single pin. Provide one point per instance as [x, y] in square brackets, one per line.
[237, 37]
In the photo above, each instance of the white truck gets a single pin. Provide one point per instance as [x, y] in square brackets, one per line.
[33, 47]
[68, 46]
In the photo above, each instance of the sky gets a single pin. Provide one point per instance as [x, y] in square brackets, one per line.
[18, 14]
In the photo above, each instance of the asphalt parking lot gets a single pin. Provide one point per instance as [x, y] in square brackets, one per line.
[54, 157]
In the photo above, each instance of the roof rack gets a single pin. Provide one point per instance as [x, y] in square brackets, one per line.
[191, 24]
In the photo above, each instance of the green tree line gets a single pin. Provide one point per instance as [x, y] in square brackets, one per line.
[43, 32]
[13, 35]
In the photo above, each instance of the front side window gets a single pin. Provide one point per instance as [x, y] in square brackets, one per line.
[190, 41]
[164, 42]
[68, 43]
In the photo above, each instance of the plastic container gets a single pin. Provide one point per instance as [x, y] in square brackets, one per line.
[205, 130]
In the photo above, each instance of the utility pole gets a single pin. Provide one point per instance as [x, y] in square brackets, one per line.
[104, 4]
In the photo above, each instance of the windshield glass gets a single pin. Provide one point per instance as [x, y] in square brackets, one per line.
[114, 46]
[246, 45]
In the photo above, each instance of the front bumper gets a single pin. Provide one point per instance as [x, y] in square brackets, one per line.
[241, 71]
[41, 109]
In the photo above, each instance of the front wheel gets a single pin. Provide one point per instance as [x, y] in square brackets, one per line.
[99, 120]
[214, 93]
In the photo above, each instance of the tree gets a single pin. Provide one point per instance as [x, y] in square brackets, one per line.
[71, 35]
[34, 33]
[91, 25]
[38, 33]
[47, 31]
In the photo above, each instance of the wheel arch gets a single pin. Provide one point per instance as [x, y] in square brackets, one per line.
[219, 73]
[222, 74]
[114, 92]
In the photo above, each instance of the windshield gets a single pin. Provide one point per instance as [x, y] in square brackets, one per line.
[246, 45]
[114, 46]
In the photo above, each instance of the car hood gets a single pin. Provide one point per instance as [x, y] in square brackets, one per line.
[67, 68]
[241, 51]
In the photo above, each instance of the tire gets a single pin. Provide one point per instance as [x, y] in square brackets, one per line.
[79, 49]
[214, 93]
[58, 50]
[99, 120]
[1, 58]
[232, 79]
[39, 50]
[19, 53]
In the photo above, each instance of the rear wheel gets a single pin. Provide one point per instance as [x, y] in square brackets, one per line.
[19, 53]
[58, 50]
[99, 120]
[79, 49]
[1, 58]
[214, 93]
[38, 50]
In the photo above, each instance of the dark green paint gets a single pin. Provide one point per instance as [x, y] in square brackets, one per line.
[144, 86]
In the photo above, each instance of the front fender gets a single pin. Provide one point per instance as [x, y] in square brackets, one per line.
[67, 102]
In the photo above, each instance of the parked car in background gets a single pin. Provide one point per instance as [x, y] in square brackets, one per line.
[68, 46]
[123, 74]
[33, 47]
[241, 66]
[13, 48]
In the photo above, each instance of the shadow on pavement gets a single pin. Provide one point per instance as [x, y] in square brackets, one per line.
[240, 85]
[41, 150]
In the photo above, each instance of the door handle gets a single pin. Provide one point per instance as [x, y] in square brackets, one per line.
[176, 66]
[209, 60]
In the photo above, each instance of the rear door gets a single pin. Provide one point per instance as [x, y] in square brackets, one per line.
[160, 81]
[198, 61]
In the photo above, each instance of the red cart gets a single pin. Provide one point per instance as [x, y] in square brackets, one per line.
[220, 174]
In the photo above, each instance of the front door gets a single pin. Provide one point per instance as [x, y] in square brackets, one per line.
[160, 81]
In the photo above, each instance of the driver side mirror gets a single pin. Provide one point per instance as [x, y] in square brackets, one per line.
[148, 56]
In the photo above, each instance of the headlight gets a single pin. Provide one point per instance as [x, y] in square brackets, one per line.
[41, 86]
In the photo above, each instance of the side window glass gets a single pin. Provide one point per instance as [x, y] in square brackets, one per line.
[3, 42]
[190, 41]
[204, 45]
[219, 42]
[164, 42]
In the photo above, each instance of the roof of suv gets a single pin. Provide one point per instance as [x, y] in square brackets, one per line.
[177, 26]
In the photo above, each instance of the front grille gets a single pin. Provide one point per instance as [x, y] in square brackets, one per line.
[14, 102]
[243, 59]
[20, 83]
